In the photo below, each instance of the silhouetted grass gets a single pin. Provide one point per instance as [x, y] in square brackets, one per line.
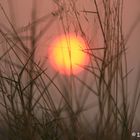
[38, 105]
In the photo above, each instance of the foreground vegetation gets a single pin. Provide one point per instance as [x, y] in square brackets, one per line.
[37, 104]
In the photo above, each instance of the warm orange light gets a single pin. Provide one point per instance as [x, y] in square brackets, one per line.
[67, 54]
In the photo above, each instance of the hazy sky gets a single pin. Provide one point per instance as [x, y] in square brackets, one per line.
[22, 10]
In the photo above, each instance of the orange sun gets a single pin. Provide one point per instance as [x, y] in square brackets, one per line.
[67, 54]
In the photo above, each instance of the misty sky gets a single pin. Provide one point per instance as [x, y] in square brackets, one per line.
[22, 10]
[22, 13]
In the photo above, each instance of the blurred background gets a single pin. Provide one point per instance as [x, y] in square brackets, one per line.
[50, 17]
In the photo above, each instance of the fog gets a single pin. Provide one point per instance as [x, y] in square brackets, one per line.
[20, 13]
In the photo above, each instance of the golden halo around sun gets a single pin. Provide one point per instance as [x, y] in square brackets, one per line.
[67, 54]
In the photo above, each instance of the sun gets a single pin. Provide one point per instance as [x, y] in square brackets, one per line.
[67, 54]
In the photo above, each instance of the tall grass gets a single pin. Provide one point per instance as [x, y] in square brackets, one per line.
[34, 105]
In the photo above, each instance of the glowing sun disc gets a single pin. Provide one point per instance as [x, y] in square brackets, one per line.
[67, 55]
